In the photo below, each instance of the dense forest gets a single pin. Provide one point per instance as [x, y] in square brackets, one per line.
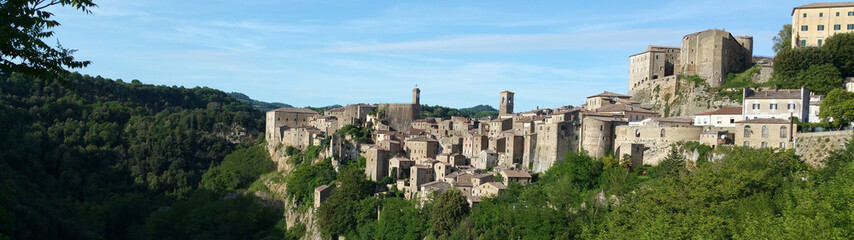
[95, 160]
[746, 194]
[479, 111]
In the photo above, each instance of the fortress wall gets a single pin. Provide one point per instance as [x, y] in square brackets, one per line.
[814, 147]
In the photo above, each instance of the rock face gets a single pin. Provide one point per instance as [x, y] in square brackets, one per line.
[680, 96]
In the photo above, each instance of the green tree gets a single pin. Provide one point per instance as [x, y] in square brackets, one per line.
[399, 219]
[787, 64]
[819, 78]
[839, 106]
[339, 214]
[841, 48]
[449, 208]
[783, 40]
[23, 26]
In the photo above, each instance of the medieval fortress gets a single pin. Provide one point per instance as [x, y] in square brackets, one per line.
[710, 54]
[481, 157]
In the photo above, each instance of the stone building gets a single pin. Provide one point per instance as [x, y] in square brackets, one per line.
[723, 117]
[764, 133]
[485, 159]
[598, 133]
[419, 175]
[553, 140]
[399, 167]
[522, 177]
[813, 23]
[299, 137]
[656, 135]
[354, 114]
[401, 115]
[489, 189]
[421, 147]
[327, 124]
[376, 164]
[815, 108]
[654, 63]
[473, 143]
[778, 103]
[320, 195]
[712, 54]
[279, 120]
[604, 99]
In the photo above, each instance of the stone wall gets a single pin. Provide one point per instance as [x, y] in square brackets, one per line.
[400, 116]
[679, 97]
[814, 147]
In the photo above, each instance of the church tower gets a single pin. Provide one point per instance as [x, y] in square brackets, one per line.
[416, 96]
[506, 107]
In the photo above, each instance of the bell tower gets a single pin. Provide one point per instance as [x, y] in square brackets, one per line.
[416, 96]
[506, 106]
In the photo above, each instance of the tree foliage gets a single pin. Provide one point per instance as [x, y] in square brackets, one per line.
[783, 40]
[449, 208]
[95, 162]
[841, 48]
[838, 106]
[238, 170]
[24, 24]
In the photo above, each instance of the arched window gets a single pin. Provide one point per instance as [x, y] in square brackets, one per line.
[784, 132]
[662, 133]
[764, 131]
[747, 131]
[637, 132]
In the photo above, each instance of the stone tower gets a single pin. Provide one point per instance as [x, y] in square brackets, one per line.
[416, 96]
[506, 107]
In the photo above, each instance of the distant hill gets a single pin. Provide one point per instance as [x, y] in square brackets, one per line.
[480, 108]
[260, 105]
[479, 111]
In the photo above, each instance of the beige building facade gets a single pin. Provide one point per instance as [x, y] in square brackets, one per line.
[813, 23]
[764, 133]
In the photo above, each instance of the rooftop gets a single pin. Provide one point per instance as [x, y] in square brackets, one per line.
[824, 5]
[723, 111]
[623, 108]
[772, 94]
[515, 174]
[295, 110]
[609, 94]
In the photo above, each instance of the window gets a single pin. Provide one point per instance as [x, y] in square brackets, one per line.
[637, 132]
[783, 145]
[747, 131]
[764, 131]
[746, 144]
[731, 120]
[803, 42]
[719, 120]
[764, 144]
[601, 128]
[820, 14]
[755, 106]
[662, 133]
[819, 42]
[820, 27]
[791, 106]
[783, 132]
[805, 15]
[804, 27]
[837, 27]
[850, 13]
[850, 26]
[773, 106]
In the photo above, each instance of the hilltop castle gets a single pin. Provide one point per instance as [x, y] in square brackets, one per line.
[710, 54]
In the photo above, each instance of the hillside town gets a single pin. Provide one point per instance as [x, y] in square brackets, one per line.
[481, 157]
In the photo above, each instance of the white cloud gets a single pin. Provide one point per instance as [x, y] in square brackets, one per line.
[493, 43]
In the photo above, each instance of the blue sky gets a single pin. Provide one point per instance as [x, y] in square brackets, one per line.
[459, 53]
